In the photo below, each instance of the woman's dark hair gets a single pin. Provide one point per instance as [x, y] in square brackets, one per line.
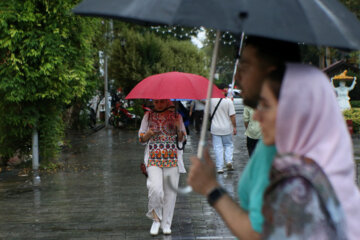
[274, 79]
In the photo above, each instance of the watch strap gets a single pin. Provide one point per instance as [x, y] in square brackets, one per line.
[215, 195]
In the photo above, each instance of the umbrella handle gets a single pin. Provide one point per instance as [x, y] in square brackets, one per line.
[202, 143]
[182, 191]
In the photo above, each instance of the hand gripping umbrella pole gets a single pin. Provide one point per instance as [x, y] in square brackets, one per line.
[202, 142]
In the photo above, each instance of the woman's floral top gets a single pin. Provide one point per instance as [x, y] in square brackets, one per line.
[162, 146]
[300, 202]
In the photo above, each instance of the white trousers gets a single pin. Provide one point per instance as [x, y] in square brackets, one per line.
[161, 197]
[223, 144]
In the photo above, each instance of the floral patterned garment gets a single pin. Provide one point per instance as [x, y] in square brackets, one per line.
[162, 147]
[300, 202]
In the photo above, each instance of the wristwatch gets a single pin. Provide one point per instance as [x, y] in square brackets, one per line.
[215, 195]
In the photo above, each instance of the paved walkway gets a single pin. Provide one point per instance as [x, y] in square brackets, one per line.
[101, 194]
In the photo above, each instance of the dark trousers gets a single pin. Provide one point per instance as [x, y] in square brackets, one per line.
[251, 144]
[198, 117]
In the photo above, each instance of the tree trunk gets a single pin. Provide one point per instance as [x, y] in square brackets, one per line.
[328, 57]
[321, 60]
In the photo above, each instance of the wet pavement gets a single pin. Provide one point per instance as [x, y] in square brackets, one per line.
[101, 194]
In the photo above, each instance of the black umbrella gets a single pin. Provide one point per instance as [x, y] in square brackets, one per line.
[216, 14]
[307, 21]
[318, 22]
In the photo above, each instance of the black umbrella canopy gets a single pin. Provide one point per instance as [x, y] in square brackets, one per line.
[218, 14]
[318, 22]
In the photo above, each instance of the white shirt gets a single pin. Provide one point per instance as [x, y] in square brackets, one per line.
[221, 123]
[199, 106]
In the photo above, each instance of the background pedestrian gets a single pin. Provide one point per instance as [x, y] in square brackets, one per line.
[253, 131]
[223, 126]
[160, 130]
[197, 113]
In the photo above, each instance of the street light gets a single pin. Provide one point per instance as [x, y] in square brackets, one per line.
[108, 37]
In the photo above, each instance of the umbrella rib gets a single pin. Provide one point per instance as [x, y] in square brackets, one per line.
[342, 28]
[193, 86]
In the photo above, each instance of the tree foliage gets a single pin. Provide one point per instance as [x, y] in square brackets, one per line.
[316, 55]
[353, 6]
[136, 55]
[46, 59]
[228, 50]
[174, 32]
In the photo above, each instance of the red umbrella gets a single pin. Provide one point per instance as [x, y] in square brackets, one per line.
[173, 85]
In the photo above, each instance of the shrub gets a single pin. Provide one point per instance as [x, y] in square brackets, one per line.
[355, 103]
[47, 59]
[354, 115]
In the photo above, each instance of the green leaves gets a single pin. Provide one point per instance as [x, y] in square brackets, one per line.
[145, 54]
[46, 58]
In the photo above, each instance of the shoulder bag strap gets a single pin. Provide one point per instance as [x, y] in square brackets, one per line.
[212, 115]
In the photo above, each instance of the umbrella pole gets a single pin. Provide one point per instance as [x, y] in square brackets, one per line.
[202, 142]
[237, 60]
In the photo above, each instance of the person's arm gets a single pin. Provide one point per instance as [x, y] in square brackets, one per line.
[191, 108]
[233, 121]
[180, 128]
[145, 137]
[332, 82]
[236, 219]
[353, 84]
[202, 179]
[145, 133]
[246, 117]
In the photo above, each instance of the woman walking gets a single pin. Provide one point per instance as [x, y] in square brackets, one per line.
[163, 132]
[312, 194]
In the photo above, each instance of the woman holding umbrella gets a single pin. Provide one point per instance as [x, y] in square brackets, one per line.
[162, 130]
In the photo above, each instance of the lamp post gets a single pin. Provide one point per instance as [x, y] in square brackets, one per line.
[108, 39]
[106, 92]
[35, 157]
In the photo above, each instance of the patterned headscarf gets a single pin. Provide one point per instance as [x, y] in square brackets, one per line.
[310, 123]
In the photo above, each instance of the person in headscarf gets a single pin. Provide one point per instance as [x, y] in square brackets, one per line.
[312, 193]
[162, 130]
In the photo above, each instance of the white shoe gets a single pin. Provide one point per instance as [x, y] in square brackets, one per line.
[167, 230]
[155, 228]
[220, 171]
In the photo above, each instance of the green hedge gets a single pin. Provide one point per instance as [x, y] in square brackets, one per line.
[355, 103]
[354, 115]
